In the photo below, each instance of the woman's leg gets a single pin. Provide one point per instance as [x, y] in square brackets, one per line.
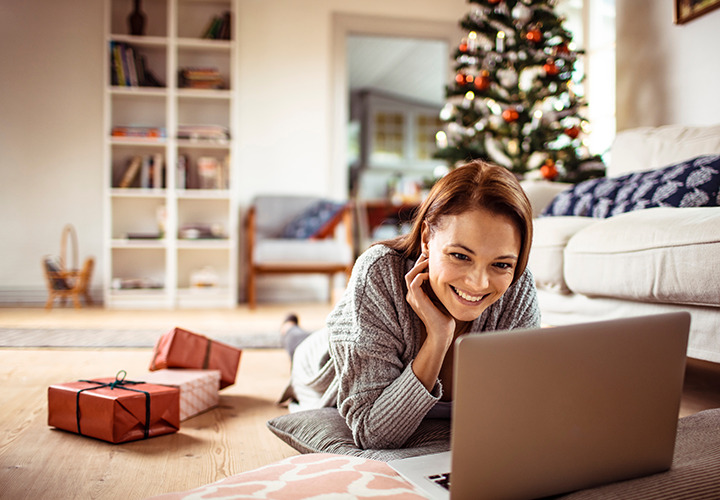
[292, 334]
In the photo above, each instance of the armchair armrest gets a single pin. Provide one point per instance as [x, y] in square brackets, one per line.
[541, 193]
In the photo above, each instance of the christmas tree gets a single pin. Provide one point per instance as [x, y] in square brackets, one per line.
[514, 101]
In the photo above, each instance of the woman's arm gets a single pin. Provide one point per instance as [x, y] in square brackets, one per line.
[374, 338]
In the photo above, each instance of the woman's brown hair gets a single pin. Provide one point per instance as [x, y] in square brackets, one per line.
[475, 185]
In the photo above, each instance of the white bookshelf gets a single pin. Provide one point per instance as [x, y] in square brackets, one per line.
[151, 252]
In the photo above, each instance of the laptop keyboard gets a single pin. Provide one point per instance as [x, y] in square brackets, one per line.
[441, 479]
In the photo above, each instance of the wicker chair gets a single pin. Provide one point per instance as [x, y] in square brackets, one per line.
[63, 282]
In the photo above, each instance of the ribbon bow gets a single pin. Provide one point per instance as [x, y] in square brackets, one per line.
[118, 383]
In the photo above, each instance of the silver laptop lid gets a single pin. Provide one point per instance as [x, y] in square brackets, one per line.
[544, 411]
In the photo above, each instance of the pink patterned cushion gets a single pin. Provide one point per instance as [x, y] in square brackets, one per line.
[307, 476]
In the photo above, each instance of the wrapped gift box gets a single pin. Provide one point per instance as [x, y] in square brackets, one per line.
[198, 388]
[183, 349]
[114, 409]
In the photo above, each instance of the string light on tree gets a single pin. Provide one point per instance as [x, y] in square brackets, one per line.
[513, 100]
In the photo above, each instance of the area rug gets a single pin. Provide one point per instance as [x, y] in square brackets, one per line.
[96, 338]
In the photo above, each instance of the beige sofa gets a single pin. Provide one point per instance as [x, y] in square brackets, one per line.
[645, 261]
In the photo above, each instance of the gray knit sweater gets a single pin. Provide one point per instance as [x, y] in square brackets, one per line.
[374, 335]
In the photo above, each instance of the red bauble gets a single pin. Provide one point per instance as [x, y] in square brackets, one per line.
[482, 82]
[550, 68]
[510, 115]
[562, 49]
[549, 170]
[494, 1]
[534, 35]
[572, 132]
[460, 78]
[463, 47]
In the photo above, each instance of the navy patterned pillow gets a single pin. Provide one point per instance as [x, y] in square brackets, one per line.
[692, 183]
[313, 221]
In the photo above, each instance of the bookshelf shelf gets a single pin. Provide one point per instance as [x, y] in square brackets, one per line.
[170, 203]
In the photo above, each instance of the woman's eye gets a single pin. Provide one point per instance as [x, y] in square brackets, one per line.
[460, 256]
[503, 265]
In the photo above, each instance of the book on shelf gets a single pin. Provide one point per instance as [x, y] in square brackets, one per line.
[131, 171]
[144, 171]
[152, 174]
[219, 28]
[128, 67]
[200, 78]
[207, 172]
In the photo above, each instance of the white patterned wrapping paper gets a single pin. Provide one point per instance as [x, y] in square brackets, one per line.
[198, 388]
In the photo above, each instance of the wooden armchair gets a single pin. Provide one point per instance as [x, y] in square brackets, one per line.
[315, 250]
[64, 282]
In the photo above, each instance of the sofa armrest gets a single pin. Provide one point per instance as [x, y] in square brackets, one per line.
[541, 193]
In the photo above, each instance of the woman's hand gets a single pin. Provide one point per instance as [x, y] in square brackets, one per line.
[439, 325]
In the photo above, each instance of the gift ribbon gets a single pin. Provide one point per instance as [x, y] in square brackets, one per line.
[119, 383]
[206, 361]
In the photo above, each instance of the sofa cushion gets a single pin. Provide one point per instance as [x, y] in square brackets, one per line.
[646, 148]
[550, 235]
[666, 255]
[324, 431]
[694, 183]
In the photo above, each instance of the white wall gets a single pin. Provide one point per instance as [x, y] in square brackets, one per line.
[51, 104]
[666, 73]
[51, 133]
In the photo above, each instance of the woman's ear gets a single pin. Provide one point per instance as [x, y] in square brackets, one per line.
[424, 237]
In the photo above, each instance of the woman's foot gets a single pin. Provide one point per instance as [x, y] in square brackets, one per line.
[290, 321]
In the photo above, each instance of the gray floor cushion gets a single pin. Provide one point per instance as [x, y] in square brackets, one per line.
[325, 431]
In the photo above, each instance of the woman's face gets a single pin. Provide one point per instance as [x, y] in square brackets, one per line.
[471, 260]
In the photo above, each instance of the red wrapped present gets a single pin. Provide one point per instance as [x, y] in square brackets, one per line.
[114, 409]
[198, 388]
[183, 349]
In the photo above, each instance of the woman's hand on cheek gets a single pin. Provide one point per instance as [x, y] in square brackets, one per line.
[440, 326]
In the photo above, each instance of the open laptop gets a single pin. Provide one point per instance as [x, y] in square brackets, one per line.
[547, 411]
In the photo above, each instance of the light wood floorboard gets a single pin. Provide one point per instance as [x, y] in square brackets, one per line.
[38, 462]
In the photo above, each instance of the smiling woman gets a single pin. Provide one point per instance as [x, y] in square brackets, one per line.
[385, 358]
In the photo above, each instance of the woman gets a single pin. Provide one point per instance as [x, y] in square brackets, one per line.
[385, 357]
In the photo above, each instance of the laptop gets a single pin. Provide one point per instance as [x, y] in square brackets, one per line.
[547, 411]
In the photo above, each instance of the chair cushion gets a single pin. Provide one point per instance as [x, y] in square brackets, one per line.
[657, 255]
[314, 221]
[694, 183]
[325, 431]
[294, 251]
[550, 236]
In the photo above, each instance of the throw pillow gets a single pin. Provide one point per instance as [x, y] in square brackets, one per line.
[314, 222]
[692, 183]
[324, 431]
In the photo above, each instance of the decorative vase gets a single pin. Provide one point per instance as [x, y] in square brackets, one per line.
[136, 20]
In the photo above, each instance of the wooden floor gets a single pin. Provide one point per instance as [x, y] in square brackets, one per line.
[38, 462]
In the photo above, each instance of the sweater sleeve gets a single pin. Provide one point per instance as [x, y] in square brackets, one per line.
[373, 342]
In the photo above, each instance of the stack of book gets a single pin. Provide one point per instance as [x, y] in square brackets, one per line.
[135, 132]
[128, 67]
[200, 78]
[203, 132]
